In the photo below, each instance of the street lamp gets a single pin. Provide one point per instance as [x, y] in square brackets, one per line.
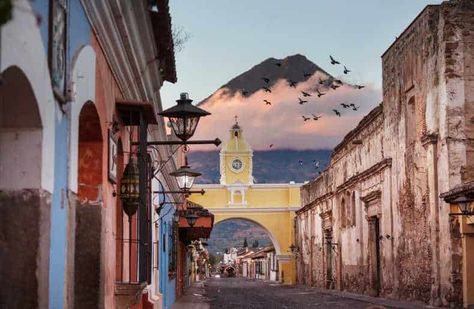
[129, 188]
[184, 117]
[463, 204]
[191, 218]
[185, 177]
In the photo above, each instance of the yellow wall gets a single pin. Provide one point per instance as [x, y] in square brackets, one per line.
[271, 206]
[275, 216]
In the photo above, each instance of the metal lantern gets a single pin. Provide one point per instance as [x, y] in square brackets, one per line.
[463, 204]
[184, 117]
[129, 188]
[185, 177]
[191, 218]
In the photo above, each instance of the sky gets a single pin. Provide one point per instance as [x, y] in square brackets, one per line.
[229, 37]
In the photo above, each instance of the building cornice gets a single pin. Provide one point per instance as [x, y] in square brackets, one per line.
[374, 169]
[315, 202]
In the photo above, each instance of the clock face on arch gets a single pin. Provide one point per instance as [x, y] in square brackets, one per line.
[237, 165]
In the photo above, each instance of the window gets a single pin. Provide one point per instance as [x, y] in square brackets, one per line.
[343, 213]
[353, 209]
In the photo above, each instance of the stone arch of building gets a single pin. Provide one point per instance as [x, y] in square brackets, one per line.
[26, 53]
[88, 247]
[269, 228]
[24, 206]
[83, 87]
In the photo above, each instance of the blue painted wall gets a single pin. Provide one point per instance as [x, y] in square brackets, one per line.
[79, 35]
[167, 285]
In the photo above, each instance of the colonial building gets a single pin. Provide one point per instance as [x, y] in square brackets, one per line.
[373, 222]
[272, 206]
[80, 83]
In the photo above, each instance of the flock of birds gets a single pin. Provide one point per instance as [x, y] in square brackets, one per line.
[320, 90]
[328, 83]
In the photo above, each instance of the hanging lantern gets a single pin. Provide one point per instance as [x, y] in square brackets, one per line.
[184, 117]
[129, 188]
[185, 177]
[191, 218]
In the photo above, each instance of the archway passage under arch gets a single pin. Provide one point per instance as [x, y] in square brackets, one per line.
[241, 229]
[24, 206]
[278, 225]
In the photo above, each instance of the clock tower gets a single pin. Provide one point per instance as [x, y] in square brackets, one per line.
[236, 159]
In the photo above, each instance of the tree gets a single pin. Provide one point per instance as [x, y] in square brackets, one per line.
[6, 8]
[246, 245]
[255, 244]
[180, 37]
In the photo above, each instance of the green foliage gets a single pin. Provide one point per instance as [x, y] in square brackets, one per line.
[214, 260]
[255, 243]
[6, 7]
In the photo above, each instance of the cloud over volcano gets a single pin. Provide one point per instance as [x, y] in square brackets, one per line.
[281, 123]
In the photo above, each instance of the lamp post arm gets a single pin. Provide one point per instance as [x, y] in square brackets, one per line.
[202, 192]
[215, 142]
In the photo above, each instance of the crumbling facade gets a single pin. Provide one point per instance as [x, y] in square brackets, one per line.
[373, 221]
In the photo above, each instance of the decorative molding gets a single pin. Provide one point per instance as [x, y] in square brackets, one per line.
[428, 139]
[374, 169]
[316, 201]
[256, 209]
[372, 196]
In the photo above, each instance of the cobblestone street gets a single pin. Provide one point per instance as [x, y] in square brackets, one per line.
[229, 293]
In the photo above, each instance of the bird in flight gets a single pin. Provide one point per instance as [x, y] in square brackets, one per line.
[305, 118]
[267, 102]
[345, 105]
[320, 94]
[359, 86]
[307, 74]
[302, 101]
[337, 112]
[270, 146]
[316, 164]
[278, 64]
[334, 61]
[315, 117]
[292, 83]
[334, 86]
[301, 162]
[266, 80]
[305, 94]
[354, 107]
[266, 89]
[346, 70]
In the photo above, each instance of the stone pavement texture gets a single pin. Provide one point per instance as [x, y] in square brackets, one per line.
[255, 294]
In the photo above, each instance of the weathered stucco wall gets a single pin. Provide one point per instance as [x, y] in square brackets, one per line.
[378, 201]
[24, 235]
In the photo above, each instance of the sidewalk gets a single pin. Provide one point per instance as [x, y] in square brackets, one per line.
[193, 298]
[379, 301]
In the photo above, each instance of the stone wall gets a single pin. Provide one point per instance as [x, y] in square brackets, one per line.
[379, 198]
[87, 261]
[24, 254]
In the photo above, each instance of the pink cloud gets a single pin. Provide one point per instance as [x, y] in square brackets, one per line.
[281, 123]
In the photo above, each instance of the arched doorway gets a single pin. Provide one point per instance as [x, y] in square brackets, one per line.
[87, 253]
[24, 207]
